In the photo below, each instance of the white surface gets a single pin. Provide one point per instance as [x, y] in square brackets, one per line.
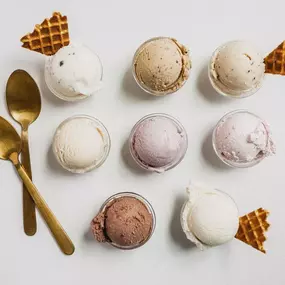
[114, 29]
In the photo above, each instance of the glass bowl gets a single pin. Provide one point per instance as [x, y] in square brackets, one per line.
[173, 163]
[217, 85]
[230, 163]
[143, 86]
[146, 204]
[57, 92]
[106, 139]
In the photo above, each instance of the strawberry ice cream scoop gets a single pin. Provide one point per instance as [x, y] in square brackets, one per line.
[158, 142]
[242, 139]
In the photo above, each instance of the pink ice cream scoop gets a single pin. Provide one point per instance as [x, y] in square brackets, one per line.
[242, 139]
[158, 142]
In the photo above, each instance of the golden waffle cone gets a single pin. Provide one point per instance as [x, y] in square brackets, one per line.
[252, 228]
[48, 37]
[275, 61]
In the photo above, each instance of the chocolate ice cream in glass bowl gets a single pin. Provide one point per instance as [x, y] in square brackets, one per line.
[161, 66]
[126, 221]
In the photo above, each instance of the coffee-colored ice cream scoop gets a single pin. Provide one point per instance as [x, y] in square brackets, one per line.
[161, 65]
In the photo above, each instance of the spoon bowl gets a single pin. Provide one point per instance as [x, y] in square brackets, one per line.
[10, 142]
[23, 99]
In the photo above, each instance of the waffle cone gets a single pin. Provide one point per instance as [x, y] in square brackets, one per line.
[252, 228]
[48, 37]
[275, 61]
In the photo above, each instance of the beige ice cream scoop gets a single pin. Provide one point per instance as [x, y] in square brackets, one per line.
[236, 69]
[161, 66]
[81, 143]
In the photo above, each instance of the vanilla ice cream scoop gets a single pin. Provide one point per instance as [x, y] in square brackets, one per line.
[242, 139]
[237, 69]
[161, 65]
[209, 217]
[81, 143]
[158, 142]
[73, 73]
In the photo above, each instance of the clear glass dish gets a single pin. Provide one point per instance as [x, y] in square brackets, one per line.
[145, 87]
[58, 94]
[146, 204]
[184, 213]
[166, 167]
[221, 157]
[218, 85]
[107, 142]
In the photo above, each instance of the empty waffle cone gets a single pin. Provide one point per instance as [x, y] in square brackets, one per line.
[275, 61]
[252, 228]
[48, 37]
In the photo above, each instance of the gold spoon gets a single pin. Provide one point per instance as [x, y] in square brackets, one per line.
[10, 147]
[24, 104]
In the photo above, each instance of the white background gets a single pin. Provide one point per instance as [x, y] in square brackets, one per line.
[114, 29]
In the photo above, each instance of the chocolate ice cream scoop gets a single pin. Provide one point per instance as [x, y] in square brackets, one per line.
[126, 220]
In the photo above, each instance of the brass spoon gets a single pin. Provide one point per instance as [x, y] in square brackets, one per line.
[10, 147]
[24, 104]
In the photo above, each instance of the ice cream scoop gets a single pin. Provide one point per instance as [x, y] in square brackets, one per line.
[209, 217]
[81, 144]
[74, 72]
[236, 69]
[242, 139]
[161, 65]
[158, 142]
[126, 220]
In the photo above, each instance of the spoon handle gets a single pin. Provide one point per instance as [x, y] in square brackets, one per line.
[57, 230]
[29, 211]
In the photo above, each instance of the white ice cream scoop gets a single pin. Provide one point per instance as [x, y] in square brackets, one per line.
[237, 69]
[74, 72]
[81, 143]
[209, 217]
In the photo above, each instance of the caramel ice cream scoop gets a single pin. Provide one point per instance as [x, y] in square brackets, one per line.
[161, 66]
